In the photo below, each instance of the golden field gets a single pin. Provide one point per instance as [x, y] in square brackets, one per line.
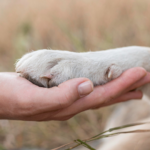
[66, 25]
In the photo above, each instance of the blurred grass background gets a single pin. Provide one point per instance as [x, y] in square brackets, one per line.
[66, 25]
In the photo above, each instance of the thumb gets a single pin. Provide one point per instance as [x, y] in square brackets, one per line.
[64, 95]
[74, 89]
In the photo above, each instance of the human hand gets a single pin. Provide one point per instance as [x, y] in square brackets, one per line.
[22, 100]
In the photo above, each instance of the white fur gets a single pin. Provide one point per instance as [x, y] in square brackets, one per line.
[100, 67]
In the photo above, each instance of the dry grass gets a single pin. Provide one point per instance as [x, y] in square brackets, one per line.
[105, 134]
[73, 25]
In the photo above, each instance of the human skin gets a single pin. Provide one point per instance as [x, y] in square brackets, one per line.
[22, 100]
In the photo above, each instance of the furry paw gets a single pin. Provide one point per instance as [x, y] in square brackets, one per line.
[48, 68]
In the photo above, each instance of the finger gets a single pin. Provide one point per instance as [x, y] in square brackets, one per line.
[125, 97]
[57, 97]
[52, 115]
[128, 96]
[103, 94]
[46, 116]
[141, 82]
[120, 85]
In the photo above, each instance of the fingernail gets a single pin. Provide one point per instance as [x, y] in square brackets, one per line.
[85, 88]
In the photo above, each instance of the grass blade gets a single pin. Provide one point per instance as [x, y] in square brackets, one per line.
[104, 135]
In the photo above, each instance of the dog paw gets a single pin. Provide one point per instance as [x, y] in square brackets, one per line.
[48, 68]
